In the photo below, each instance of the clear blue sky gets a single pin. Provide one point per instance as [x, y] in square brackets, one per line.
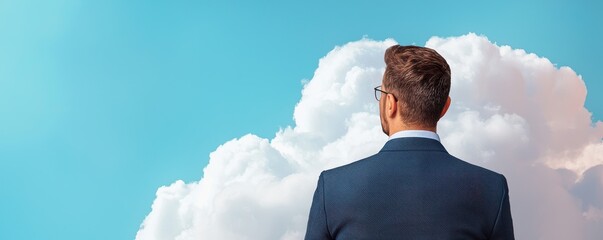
[102, 102]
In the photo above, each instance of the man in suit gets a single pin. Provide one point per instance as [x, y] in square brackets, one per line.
[413, 188]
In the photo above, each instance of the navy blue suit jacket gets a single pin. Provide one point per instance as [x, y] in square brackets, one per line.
[411, 189]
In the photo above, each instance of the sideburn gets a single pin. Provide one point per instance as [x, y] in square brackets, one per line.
[384, 124]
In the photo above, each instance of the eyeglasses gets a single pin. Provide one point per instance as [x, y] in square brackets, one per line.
[378, 95]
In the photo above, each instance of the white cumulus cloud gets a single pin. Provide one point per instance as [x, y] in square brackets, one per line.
[512, 111]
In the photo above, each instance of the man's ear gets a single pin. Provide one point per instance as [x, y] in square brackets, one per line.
[446, 106]
[391, 105]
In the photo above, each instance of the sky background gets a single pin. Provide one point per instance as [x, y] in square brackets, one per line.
[102, 102]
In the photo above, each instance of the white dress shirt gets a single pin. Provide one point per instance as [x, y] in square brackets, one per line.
[415, 133]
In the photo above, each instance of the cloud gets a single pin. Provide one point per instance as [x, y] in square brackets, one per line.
[512, 111]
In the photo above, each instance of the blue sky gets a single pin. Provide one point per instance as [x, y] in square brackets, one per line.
[103, 102]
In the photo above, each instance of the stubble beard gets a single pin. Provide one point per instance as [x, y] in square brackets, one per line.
[384, 125]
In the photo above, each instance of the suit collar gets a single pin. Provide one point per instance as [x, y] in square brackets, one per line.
[413, 144]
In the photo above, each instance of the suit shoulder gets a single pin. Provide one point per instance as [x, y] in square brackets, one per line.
[475, 168]
[350, 167]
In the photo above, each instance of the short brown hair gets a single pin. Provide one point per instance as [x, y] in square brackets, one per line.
[419, 78]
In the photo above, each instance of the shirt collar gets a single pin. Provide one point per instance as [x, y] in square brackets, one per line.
[415, 133]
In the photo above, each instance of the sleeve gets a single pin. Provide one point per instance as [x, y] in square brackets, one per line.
[503, 225]
[317, 222]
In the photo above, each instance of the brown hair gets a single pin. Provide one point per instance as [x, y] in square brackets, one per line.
[419, 78]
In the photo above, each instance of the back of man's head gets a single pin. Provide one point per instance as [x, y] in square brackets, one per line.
[419, 77]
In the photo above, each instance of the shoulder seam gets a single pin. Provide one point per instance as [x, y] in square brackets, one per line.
[502, 200]
[324, 205]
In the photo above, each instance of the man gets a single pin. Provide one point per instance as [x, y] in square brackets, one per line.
[412, 188]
